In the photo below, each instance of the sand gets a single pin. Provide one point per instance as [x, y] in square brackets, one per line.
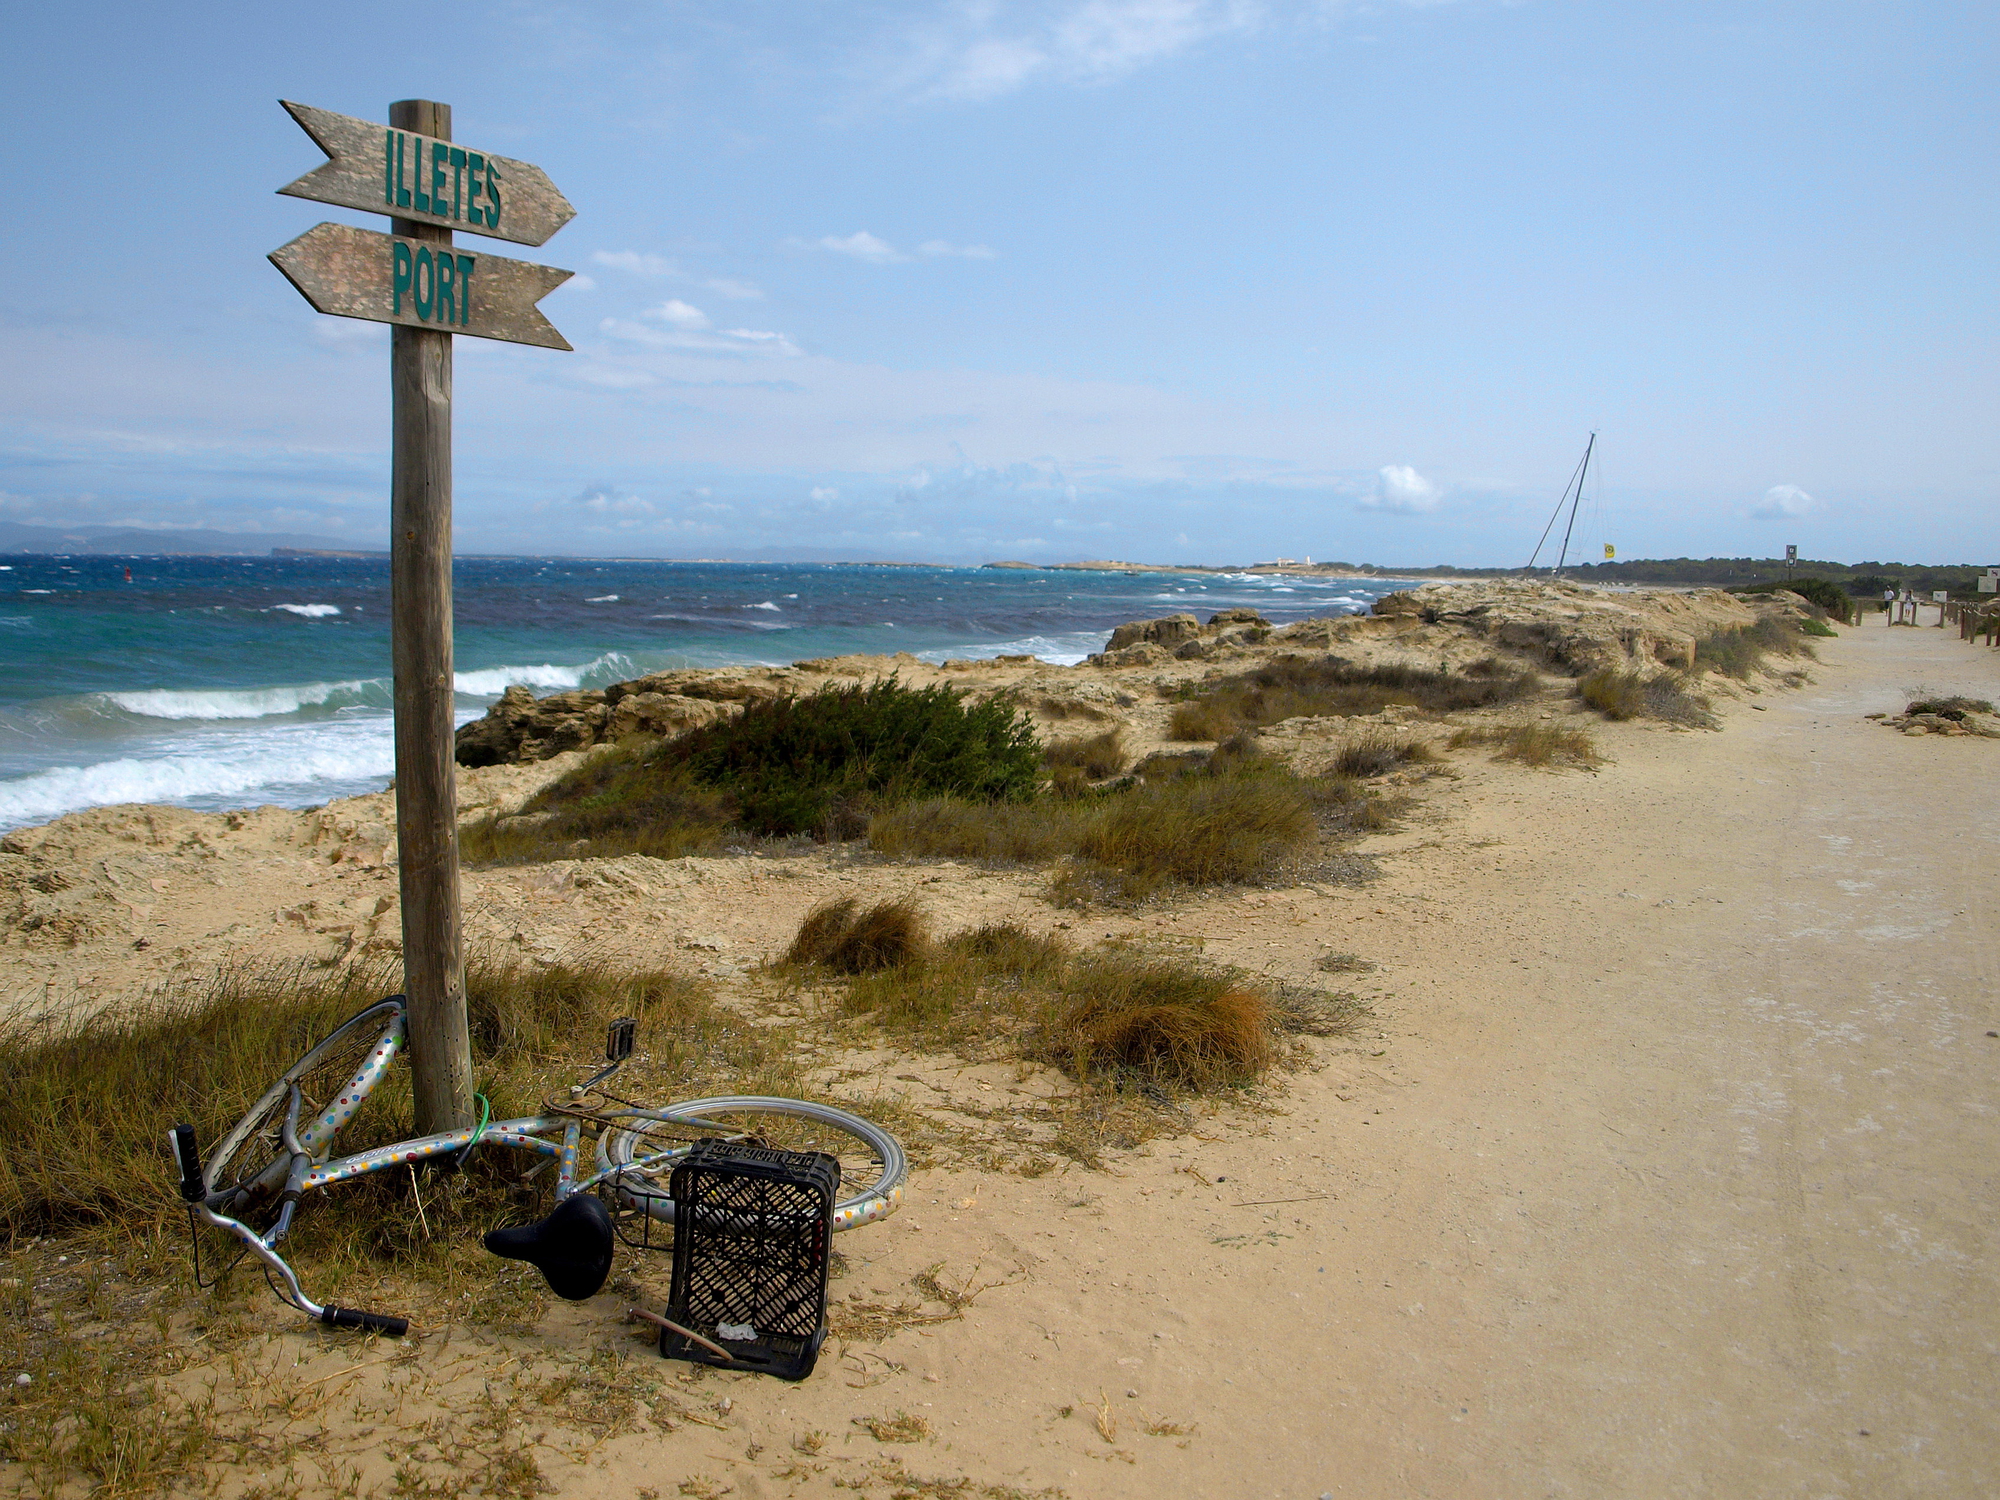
[1666, 1168]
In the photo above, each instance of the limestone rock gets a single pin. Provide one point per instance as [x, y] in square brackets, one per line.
[1168, 630]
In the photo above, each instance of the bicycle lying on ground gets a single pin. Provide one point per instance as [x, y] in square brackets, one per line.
[252, 1185]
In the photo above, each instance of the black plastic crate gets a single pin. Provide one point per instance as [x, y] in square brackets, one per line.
[752, 1230]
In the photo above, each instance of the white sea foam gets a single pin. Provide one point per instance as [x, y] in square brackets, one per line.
[243, 703]
[603, 599]
[309, 611]
[238, 768]
[490, 682]
[1062, 650]
[767, 604]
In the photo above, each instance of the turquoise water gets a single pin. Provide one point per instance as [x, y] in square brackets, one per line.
[229, 682]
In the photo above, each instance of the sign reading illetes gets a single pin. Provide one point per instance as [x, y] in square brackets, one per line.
[384, 278]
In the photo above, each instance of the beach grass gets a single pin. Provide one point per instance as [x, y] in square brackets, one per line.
[1329, 686]
[1628, 693]
[1114, 1017]
[1537, 744]
[1231, 817]
[93, 1096]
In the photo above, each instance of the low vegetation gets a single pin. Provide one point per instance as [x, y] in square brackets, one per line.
[1629, 693]
[1538, 744]
[1294, 686]
[1949, 707]
[1739, 652]
[1378, 752]
[90, 1098]
[1233, 816]
[816, 766]
[1115, 1016]
[1829, 598]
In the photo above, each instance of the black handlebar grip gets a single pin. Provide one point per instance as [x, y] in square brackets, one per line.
[387, 1324]
[190, 1159]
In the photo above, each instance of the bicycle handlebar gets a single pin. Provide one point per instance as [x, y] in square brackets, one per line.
[189, 1157]
[387, 1324]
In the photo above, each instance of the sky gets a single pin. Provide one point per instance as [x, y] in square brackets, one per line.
[1200, 281]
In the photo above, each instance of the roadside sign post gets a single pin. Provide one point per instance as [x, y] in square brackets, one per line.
[418, 280]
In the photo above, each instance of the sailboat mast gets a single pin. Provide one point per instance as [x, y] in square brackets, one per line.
[1563, 556]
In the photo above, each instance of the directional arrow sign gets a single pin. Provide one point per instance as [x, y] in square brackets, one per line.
[384, 171]
[357, 273]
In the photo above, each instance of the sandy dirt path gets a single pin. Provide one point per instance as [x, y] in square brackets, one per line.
[1674, 1176]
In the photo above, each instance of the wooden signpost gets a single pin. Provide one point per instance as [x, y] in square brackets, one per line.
[429, 289]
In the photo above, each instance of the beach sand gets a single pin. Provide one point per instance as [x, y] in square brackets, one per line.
[1665, 1166]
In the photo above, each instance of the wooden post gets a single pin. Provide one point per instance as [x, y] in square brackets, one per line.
[426, 782]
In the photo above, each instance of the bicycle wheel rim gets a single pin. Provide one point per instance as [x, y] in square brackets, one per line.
[333, 1077]
[872, 1161]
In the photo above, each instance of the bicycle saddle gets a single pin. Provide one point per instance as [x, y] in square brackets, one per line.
[571, 1247]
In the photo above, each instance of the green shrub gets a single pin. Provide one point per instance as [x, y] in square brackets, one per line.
[1828, 597]
[820, 764]
[816, 765]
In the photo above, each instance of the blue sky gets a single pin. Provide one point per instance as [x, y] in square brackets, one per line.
[1172, 280]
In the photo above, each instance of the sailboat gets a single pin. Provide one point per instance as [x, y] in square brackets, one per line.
[1572, 496]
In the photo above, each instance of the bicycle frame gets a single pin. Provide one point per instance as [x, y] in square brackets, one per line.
[301, 1172]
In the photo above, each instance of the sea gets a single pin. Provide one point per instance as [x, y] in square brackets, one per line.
[225, 682]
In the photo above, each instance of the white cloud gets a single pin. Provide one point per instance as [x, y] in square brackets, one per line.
[602, 500]
[581, 283]
[688, 329]
[981, 50]
[1400, 488]
[1782, 502]
[935, 248]
[736, 291]
[825, 492]
[863, 246]
[638, 262]
[678, 313]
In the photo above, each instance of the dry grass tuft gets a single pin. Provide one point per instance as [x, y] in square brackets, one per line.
[1952, 707]
[1291, 686]
[841, 936]
[1166, 1023]
[1631, 694]
[91, 1098]
[1227, 817]
[1737, 653]
[1096, 756]
[1378, 752]
[1115, 1016]
[900, 1427]
[1535, 744]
